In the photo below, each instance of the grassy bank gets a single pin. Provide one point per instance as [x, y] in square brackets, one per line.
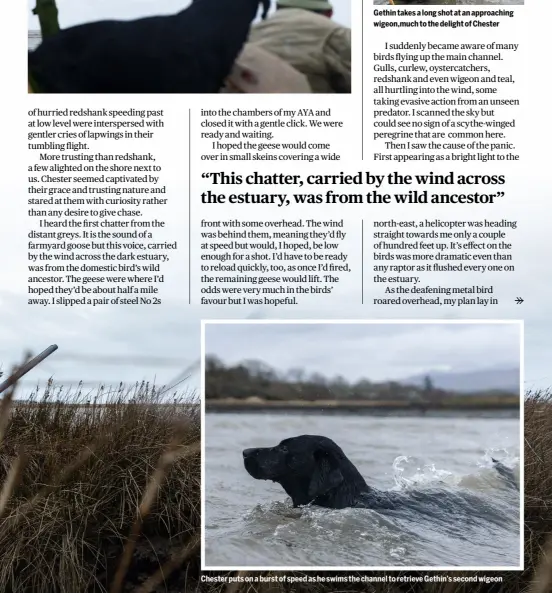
[81, 510]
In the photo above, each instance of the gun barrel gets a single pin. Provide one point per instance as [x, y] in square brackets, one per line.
[25, 368]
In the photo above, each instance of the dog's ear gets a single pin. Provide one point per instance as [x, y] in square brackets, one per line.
[326, 476]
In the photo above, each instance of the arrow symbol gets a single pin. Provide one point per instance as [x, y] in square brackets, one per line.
[519, 300]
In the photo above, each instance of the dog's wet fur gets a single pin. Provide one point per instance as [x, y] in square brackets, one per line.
[192, 51]
[315, 470]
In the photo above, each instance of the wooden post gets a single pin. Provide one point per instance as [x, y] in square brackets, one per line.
[47, 13]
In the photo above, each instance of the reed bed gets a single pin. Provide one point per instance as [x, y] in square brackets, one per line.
[105, 497]
[96, 496]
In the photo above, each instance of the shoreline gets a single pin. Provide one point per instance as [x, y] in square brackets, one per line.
[511, 407]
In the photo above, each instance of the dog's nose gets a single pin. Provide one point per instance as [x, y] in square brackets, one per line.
[249, 452]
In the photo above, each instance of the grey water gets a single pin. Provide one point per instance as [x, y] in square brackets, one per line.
[253, 523]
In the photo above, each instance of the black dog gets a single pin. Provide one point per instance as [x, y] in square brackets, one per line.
[189, 52]
[314, 470]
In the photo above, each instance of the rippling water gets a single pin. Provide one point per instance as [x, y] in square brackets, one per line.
[463, 2]
[252, 523]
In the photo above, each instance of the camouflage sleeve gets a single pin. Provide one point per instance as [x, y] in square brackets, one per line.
[337, 53]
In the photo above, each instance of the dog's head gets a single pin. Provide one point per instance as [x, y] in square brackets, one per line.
[310, 469]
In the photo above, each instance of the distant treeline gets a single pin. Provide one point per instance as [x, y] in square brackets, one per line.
[256, 379]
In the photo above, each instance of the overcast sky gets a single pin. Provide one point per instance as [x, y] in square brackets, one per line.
[101, 345]
[371, 351]
[106, 345]
[76, 12]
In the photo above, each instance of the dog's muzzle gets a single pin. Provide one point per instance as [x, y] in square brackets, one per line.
[251, 463]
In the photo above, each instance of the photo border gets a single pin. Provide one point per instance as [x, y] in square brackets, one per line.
[246, 567]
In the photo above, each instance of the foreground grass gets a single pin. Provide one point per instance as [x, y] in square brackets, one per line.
[107, 498]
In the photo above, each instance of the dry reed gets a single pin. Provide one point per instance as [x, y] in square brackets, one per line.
[70, 521]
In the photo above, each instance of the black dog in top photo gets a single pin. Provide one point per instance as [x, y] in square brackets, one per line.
[192, 51]
[314, 470]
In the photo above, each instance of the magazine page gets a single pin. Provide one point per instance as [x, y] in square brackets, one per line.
[280, 343]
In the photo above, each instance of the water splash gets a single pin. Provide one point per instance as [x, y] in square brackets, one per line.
[485, 477]
[410, 471]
